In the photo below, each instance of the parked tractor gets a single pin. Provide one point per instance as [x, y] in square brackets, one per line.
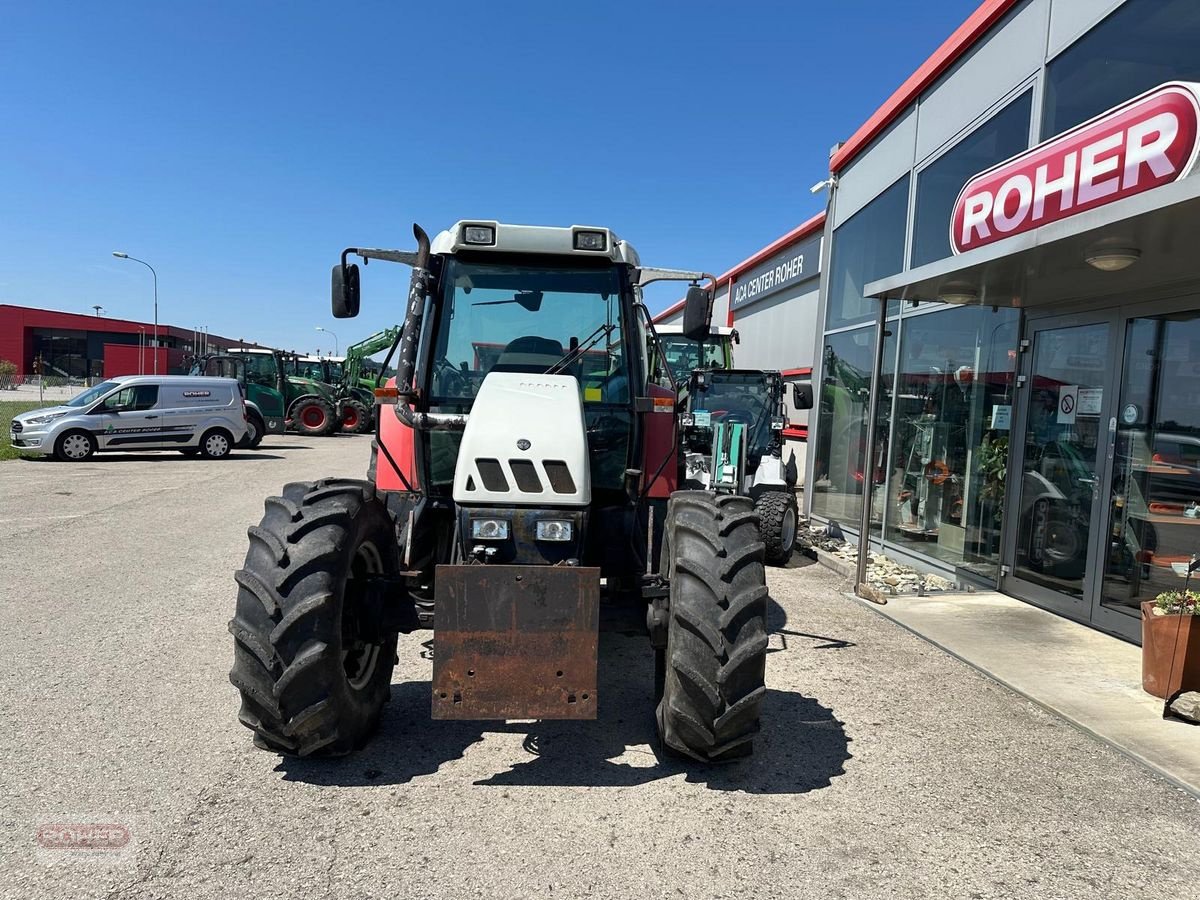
[732, 442]
[711, 351]
[275, 400]
[513, 492]
[355, 404]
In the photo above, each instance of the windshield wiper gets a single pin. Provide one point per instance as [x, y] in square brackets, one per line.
[590, 341]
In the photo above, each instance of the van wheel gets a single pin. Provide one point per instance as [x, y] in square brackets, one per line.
[216, 443]
[75, 446]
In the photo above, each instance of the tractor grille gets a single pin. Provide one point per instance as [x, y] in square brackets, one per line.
[526, 476]
[560, 476]
[492, 475]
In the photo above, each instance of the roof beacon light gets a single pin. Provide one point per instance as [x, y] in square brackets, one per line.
[479, 234]
[591, 240]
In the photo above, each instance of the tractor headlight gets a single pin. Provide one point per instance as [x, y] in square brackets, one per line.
[479, 234]
[553, 530]
[591, 240]
[489, 529]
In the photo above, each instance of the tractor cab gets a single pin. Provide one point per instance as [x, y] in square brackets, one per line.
[685, 354]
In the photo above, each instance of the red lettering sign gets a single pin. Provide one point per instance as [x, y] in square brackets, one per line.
[1148, 141]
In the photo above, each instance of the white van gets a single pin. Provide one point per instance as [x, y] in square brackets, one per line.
[139, 412]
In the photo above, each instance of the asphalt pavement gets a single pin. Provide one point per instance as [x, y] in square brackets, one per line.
[885, 768]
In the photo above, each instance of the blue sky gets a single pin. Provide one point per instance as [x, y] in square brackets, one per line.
[238, 147]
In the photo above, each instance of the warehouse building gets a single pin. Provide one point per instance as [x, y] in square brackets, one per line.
[82, 347]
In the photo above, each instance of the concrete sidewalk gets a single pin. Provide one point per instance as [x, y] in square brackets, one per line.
[1092, 680]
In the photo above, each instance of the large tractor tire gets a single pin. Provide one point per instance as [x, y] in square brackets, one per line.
[356, 418]
[715, 661]
[255, 429]
[314, 417]
[778, 514]
[310, 683]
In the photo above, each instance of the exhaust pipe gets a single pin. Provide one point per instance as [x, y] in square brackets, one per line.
[419, 288]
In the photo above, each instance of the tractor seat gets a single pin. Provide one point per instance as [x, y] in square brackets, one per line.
[530, 354]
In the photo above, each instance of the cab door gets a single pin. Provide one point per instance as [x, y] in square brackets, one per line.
[129, 419]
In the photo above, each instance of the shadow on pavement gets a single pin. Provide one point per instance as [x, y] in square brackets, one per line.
[802, 746]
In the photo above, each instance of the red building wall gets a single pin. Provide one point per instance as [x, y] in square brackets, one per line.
[124, 359]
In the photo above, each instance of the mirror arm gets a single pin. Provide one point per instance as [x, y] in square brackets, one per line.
[647, 275]
[406, 257]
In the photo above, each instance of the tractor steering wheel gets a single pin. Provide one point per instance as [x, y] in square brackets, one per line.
[452, 382]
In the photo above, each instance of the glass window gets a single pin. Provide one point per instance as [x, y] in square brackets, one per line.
[1005, 134]
[1141, 45]
[949, 453]
[132, 399]
[883, 426]
[1155, 502]
[841, 431]
[867, 246]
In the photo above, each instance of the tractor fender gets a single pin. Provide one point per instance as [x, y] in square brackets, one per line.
[273, 424]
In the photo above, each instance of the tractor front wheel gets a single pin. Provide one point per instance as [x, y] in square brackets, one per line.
[314, 417]
[356, 419]
[715, 662]
[778, 514]
[313, 667]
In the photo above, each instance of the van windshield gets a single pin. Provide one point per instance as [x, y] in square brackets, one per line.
[92, 394]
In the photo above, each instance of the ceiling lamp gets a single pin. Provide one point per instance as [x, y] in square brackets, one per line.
[958, 293]
[1112, 259]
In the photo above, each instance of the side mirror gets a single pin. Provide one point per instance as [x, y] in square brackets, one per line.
[345, 295]
[802, 394]
[697, 313]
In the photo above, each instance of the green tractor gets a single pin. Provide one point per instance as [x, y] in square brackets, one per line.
[355, 403]
[683, 354]
[275, 399]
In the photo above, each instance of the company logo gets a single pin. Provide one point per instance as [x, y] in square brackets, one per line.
[523, 444]
[1146, 142]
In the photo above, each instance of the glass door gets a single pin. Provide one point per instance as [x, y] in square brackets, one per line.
[1061, 448]
[1154, 500]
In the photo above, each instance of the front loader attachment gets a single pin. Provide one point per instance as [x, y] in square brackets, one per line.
[515, 642]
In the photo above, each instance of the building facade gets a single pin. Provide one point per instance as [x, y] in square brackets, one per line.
[1009, 265]
[82, 347]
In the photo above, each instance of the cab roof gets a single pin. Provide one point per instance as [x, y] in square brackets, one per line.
[532, 239]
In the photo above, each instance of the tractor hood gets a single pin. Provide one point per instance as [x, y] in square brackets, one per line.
[525, 444]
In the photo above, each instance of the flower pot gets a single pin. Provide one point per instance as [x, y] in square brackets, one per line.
[1167, 638]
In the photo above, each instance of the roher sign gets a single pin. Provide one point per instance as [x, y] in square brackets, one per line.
[1145, 142]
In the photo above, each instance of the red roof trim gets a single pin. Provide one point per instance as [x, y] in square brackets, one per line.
[797, 373]
[965, 36]
[801, 231]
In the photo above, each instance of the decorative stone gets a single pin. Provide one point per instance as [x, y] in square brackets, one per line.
[1187, 706]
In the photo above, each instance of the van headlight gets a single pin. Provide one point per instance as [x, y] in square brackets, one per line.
[42, 420]
[553, 530]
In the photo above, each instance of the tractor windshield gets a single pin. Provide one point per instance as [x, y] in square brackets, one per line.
[536, 319]
[683, 354]
[530, 319]
[734, 398]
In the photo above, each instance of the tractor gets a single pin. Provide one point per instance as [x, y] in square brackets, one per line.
[513, 492]
[712, 351]
[732, 442]
[274, 398]
[355, 403]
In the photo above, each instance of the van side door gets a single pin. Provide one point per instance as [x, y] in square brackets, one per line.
[129, 419]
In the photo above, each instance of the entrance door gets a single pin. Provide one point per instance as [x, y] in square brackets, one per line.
[1154, 501]
[1061, 447]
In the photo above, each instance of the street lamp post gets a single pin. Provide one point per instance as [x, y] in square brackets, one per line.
[332, 335]
[119, 255]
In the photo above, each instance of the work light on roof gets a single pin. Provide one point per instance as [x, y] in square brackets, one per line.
[591, 240]
[479, 234]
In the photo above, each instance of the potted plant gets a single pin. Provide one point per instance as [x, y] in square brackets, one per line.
[1171, 643]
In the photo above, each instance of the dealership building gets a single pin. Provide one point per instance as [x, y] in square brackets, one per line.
[71, 345]
[1005, 331]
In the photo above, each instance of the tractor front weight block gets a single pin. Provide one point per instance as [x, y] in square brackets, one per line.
[515, 642]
